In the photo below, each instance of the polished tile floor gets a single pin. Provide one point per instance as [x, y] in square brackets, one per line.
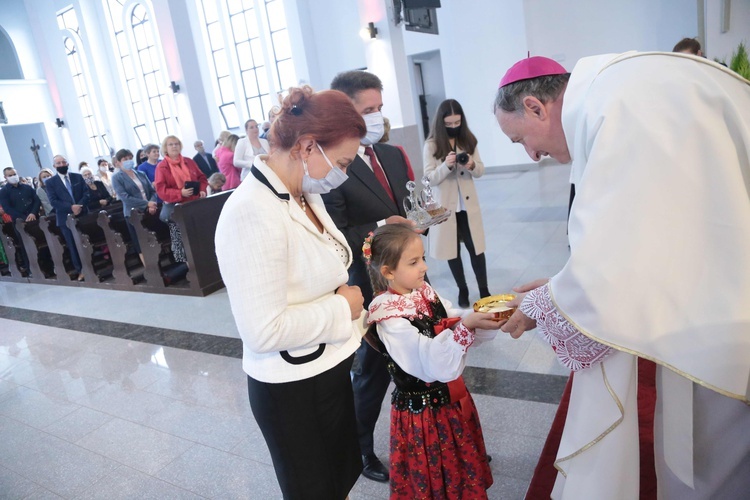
[110, 395]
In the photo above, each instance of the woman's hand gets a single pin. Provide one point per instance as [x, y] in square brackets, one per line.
[470, 165]
[483, 321]
[187, 192]
[202, 194]
[353, 296]
[103, 203]
[450, 160]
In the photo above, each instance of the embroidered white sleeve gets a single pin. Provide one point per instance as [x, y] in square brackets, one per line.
[574, 350]
[441, 358]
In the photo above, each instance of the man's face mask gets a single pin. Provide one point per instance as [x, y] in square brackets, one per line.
[375, 128]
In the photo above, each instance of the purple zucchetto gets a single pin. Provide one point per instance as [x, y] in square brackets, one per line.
[532, 67]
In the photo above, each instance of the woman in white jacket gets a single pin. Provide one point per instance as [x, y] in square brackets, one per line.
[284, 264]
[451, 163]
[249, 147]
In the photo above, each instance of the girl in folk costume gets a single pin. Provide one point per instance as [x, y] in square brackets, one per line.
[437, 447]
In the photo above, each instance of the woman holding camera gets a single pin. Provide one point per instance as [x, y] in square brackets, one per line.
[451, 162]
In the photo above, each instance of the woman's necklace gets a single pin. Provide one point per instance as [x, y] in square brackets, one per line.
[303, 203]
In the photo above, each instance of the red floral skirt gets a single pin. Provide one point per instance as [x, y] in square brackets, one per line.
[438, 454]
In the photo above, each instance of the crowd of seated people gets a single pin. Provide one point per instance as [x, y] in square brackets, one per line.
[159, 178]
[111, 181]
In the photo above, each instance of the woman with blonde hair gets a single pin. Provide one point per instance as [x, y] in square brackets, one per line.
[225, 160]
[220, 140]
[41, 191]
[175, 180]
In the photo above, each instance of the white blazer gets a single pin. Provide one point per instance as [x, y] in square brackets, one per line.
[281, 275]
[244, 155]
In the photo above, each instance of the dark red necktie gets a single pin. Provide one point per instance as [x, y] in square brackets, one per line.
[378, 171]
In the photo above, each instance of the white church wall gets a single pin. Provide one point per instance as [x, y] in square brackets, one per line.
[28, 100]
[329, 33]
[478, 40]
[569, 31]
[721, 45]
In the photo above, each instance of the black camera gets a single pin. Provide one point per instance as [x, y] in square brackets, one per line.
[462, 158]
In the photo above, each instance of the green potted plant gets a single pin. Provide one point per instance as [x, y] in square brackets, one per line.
[739, 62]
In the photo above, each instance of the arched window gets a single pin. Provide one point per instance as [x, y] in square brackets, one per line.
[10, 66]
[249, 47]
[149, 65]
[68, 24]
[146, 84]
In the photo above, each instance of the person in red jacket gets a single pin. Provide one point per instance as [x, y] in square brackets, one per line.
[178, 180]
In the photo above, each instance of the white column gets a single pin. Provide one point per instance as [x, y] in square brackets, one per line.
[386, 58]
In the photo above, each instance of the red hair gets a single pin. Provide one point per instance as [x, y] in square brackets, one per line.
[328, 116]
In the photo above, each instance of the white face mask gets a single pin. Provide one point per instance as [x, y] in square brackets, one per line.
[13, 179]
[375, 128]
[333, 179]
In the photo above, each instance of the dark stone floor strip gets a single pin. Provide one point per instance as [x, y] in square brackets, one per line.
[191, 341]
[486, 381]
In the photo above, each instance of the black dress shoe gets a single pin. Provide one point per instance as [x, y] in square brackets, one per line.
[374, 469]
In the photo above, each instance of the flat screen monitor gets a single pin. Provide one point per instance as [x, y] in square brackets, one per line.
[421, 20]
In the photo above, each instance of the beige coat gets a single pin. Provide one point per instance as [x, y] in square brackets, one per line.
[445, 187]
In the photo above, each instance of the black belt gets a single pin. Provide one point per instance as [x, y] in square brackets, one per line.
[416, 401]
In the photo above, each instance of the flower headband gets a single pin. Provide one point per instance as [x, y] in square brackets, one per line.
[366, 250]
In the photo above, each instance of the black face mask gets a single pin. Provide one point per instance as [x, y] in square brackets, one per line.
[453, 131]
[62, 170]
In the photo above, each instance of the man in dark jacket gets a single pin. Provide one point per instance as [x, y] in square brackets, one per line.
[205, 161]
[373, 195]
[68, 194]
[20, 202]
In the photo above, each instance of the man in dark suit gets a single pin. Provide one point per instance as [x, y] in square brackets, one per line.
[20, 202]
[205, 161]
[372, 196]
[68, 194]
